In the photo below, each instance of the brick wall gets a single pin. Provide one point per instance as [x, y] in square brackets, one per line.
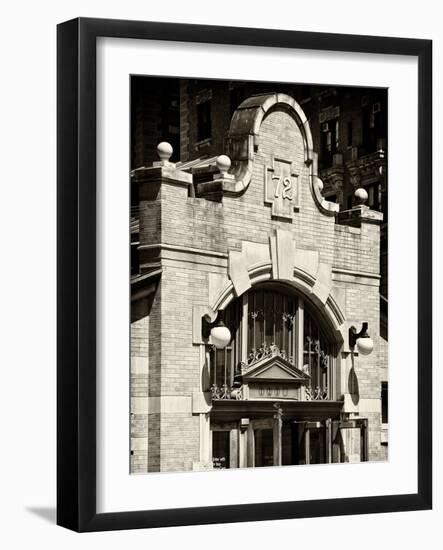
[139, 390]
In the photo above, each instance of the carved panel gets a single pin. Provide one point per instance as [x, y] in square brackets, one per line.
[282, 188]
[274, 391]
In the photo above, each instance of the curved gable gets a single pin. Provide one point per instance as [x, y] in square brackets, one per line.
[244, 138]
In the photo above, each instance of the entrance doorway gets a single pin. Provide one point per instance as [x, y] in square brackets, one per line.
[301, 443]
[274, 441]
[220, 449]
[264, 448]
[317, 446]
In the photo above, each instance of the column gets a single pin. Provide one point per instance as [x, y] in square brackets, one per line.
[277, 425]
[364, 451]
[250, 446]
[328, 437]
[243, 443]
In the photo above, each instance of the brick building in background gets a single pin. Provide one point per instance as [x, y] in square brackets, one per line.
[280, 246]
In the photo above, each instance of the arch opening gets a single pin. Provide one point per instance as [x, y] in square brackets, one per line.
[272, 319]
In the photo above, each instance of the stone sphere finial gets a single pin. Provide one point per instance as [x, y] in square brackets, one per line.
[361, 195]
[164, 151]
[223, 163]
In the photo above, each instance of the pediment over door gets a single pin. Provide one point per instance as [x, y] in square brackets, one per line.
[272, 376]
[274, 369]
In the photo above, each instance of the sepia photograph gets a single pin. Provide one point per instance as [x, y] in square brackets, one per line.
[259, 274]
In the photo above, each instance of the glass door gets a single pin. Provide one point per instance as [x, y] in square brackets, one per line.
[317, 446]
[220, 449]
[264, 448]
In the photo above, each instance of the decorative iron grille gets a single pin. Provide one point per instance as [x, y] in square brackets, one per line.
[274, 326]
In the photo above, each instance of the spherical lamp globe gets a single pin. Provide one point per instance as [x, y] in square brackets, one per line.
[365, 345]
[220, 335]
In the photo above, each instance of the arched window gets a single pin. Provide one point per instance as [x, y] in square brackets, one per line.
[271, 319]
[274, 319]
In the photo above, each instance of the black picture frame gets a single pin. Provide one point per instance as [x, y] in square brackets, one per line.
[76, 265]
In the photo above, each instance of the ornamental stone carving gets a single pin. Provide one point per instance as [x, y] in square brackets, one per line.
[282, 188]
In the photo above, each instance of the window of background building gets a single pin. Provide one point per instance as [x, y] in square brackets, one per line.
[349, 134]
[204, 124]
[374, 126]
[329, 142]
[170, 119]
[384, 402]
[374, 198]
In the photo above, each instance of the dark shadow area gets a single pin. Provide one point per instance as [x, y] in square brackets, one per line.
[205, 377]
[353, 386]
[141, 305]
[44, 512]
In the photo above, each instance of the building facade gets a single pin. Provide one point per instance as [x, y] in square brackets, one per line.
[245, 234]
[349, 128]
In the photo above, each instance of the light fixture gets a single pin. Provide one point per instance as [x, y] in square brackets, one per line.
[216, 332]
[361, 339]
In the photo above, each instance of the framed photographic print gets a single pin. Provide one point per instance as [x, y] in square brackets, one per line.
[244, 274]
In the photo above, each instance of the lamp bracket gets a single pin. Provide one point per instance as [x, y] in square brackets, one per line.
[354, 335]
